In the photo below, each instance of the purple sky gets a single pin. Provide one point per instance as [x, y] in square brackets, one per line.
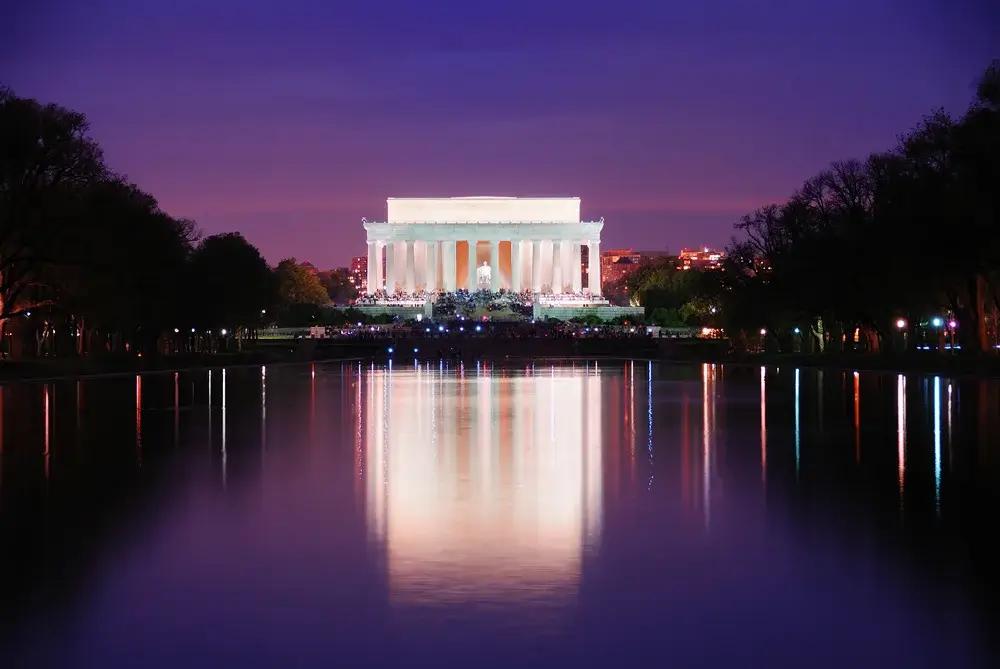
[289, 121]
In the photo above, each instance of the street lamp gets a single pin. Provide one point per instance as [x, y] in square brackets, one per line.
[900, 323]
[937, 321]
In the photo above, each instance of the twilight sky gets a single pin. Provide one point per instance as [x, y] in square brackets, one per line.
[289, 121]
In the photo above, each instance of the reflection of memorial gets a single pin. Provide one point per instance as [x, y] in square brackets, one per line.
[483, 487]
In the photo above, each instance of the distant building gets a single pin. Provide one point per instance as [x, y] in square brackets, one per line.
[358, 274]
[703, 258]
[654, 257]
[616, 264]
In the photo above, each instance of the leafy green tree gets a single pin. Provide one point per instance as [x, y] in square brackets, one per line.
[339, 288]
[299, 283]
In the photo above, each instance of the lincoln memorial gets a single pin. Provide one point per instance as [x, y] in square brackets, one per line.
[483, 243]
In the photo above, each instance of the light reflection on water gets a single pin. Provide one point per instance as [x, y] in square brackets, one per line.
[500, 509]
[367, 515]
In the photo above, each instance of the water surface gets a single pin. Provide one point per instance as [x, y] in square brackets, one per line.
[593, 514]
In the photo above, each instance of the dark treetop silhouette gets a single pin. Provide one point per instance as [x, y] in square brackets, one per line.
[90, 264]
[879, 246]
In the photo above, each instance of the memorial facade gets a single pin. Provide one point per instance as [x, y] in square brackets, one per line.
[483, 243]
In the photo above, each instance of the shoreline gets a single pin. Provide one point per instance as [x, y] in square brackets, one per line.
[46, 370]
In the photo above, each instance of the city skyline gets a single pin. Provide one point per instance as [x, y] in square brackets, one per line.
[286, 125]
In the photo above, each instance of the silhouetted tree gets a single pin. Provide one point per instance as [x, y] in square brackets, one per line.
[230, 285]
[909, 234]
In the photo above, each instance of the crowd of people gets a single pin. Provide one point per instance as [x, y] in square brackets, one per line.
[383, 297]
[465, 302]
[460, 300]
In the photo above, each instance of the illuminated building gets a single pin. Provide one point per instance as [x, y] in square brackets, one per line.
[703, 258]
[616, 264]
[481, 243]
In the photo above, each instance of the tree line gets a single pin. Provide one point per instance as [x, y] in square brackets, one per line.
[90, 263]
[867, 255]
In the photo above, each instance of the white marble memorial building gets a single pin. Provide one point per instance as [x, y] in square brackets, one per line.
[483, 243]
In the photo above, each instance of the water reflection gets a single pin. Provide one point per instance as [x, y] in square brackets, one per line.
[798, 423]
[857, 418]
[649, 418]
[708, 397]
[450, 515]
[498, 510]
[263, 414]
[225, 455]
[177, 409]
[937, 443]
[901, 432]
[48, 426]
[763, 421]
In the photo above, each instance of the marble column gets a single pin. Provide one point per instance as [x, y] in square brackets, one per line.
[379, 274]
[370, 279]
[567, 255]
[410, 286]
[472, 266]
[494, 266]
[577, 269]
[390, 267]
[515, 267]
[431, 270]
[557, 267]
[448, 269]
[536, 266]
[594, 268]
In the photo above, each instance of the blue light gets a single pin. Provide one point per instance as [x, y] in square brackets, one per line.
[797, 330]
[390, 350]
[440, 328]
[427, 329]
[937, 322]
[415, 350]
[478, 328]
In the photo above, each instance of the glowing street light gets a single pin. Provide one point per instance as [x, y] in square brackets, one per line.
[937, 321]
[953, 324]
[224, 332]
[763, 331]
[796, 331]
[900, 323]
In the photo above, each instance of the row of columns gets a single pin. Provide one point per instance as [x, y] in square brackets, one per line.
[564, 267]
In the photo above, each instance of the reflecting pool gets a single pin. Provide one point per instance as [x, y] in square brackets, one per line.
[555, 514]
